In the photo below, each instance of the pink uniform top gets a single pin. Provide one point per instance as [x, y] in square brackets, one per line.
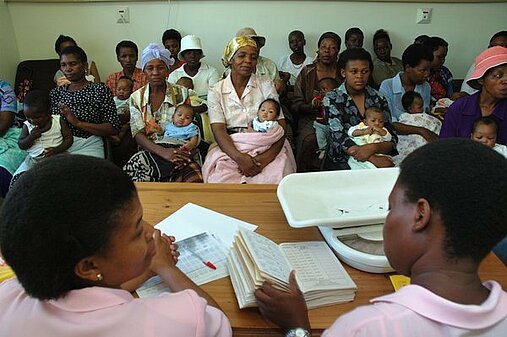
[416, 311]
[107, 312]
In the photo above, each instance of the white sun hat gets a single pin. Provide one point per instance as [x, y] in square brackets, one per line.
[189, 42]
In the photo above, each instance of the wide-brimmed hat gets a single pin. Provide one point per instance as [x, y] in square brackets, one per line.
[189, 42]
[490, 58]
[250, 32]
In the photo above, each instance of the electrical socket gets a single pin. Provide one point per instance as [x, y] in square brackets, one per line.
[423, 15]
[122, 15]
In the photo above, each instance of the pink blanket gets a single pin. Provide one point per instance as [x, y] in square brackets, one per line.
[220, 168]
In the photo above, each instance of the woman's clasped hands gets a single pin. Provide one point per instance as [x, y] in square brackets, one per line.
[248, 165]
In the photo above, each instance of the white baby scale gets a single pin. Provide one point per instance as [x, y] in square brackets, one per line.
[349, 207]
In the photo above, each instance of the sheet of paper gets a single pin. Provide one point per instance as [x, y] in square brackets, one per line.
[193, 219]
[194, 251]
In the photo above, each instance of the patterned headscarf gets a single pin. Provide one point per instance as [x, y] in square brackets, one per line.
[232, 47]
[154, 51]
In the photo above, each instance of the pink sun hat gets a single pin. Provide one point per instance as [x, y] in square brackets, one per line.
[490, 58]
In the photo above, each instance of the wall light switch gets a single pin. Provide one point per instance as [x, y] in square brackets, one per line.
[122, 15]
[423, 15]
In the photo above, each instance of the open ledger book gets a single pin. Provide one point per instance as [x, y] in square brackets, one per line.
[254, 259]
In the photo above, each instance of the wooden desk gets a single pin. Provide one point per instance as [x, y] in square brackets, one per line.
[259, 205]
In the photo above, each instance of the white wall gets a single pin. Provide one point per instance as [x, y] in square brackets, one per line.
[9, 55]
[467, 27]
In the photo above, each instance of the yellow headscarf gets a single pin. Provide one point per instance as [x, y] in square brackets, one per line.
[232, 47]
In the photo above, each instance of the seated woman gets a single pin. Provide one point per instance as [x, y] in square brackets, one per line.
[151, 109]
[346, 107]
[429, 237]
[305, 89]
[233, 104]
[11, 156]
[490, 78]
[92, 73]
[87, 107]
[76, 259]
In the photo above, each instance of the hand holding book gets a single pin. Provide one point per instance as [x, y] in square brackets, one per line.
[285, 309]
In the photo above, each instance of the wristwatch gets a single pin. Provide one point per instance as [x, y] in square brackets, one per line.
[298, 332]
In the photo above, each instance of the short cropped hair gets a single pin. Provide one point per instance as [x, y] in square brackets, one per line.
[353, 55]
[334, 83]
[353, 31]
[75, 50]
[171, 34]
[37, 99]
[415, 53]
[185, 105]
[502, 33]
[486, 120]
[61, 39]
[126, 44]
[468, 193]
[126, 78]
[408, 98]
[373, 109]
[59, 212]
[275, 102]
[421, 38]
[297, 32]
[434, 42]
[381, 34]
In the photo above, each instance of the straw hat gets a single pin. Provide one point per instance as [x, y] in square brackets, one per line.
[189, 42]
[250, 32]
[490, 58]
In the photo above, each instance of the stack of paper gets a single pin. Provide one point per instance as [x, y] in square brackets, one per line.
[254, 259]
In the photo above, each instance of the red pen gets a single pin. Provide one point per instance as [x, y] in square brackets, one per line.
[206, 263]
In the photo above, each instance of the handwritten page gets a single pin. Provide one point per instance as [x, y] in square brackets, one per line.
[267, 256]
[317, 268]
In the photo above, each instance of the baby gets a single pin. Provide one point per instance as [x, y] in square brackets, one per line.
[124, 88]
[484, 131]
[43, 135]
[195, 100]
[181, 129]
[413, 104]
[370, 130]
[267, 116]
[325, 84]
[199, 106]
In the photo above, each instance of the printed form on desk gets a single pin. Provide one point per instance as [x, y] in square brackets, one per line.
[202, 236]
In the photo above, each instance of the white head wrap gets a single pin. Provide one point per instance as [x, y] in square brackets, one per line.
[154, 51]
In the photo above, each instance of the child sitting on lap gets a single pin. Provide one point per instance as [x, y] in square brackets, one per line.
[124, 88]
[267, 116]
[200, 106]
[484, 131]
[413, 104]
[447, 211]
[182, 131]
[43, 135]
[326, 84]
[370, 130]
